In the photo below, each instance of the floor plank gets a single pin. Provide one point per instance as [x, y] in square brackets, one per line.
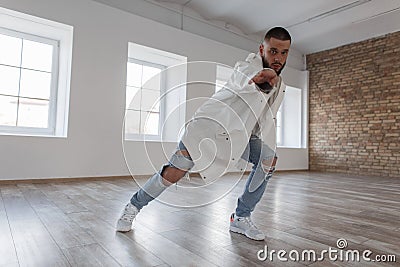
[63, 230]
[170, 252]
[213, 252]
[7, 249]
[89, 255]
[33, 243]
[124, 250]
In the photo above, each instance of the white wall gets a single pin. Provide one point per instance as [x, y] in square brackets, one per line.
[292, 159]
[94, 143]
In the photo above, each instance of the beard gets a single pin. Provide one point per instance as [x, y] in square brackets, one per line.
[266, 87]
[266, 65]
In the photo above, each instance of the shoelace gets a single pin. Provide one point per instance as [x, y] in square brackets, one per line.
[249, 222]
[128, 217]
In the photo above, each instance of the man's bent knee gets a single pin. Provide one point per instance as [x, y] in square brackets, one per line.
[172, 175]
[269, 166]
[179, 164]
[181, 160]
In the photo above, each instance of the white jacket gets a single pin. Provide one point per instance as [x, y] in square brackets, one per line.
[219, 132]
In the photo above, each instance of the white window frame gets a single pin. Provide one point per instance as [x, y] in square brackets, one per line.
[161, 118]
[60, 35]
[50, 130]
[174, 76]
[282, 116]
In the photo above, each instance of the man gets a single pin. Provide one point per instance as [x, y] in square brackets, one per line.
[234, 125]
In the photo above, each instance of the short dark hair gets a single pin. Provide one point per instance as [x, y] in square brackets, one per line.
[279, 33]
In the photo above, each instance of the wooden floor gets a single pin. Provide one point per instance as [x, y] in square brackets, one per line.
[72, 223]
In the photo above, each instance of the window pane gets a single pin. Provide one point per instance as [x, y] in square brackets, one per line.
[151, 78]
[134, 75]
[132, 122]
[9, 81]
[150, 100]
[291, 118]
[133, 97]
[37, 56]
[35, 84]
[150, 122]
[10, 50]
[8, 110]
[142, 96]
[33, 113]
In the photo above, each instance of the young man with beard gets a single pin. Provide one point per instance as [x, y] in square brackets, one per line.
[238, 119]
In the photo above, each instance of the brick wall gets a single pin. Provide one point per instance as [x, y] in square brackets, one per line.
[355, 108]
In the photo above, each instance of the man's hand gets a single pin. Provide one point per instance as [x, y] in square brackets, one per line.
[265, 75]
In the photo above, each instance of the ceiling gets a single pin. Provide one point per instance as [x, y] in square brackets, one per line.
[315, 25]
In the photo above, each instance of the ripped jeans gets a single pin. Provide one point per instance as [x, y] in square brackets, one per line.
[256, 152]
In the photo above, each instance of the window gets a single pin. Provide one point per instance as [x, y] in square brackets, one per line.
[143, 91]
[289, 124]
[289, 119]
[33, 86]
[27, 83]
[155, 94]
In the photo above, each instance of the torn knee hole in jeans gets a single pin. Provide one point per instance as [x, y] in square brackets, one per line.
[161, 172]
[183, 152]
[266, 165]
[269, 165]
[181, 160]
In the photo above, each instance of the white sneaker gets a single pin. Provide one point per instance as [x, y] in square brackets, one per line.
[244, 226]
[124, 223]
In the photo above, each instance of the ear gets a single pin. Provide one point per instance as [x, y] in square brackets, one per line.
[261, 49]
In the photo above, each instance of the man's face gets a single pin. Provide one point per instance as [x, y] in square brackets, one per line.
[274, 53]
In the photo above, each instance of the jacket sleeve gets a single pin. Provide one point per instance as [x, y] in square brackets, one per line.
[244, 71]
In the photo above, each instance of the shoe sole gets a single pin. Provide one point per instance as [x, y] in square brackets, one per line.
[123, 230]
[240, 231]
